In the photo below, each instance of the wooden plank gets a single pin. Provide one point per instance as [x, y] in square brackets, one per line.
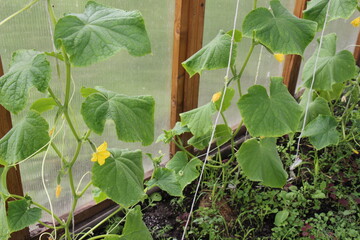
[188, 35]
[13, 178]
[357, 51]
[292, 62]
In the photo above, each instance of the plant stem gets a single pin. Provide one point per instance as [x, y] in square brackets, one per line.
[103, 236]
[58, 152]
[100, 223]
[84, 190]
[18, 12]
[255, 4]
[244, 66]
[49, 226]
[51, 12]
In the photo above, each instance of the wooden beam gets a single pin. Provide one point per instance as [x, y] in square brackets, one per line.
[357, 51]
[13, 178]
[292, 62]
[188, 36]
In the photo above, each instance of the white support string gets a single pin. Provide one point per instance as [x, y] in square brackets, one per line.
[258, 66]
[297, 160]
[226, 79]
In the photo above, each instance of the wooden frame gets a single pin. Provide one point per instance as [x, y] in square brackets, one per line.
[357, 50]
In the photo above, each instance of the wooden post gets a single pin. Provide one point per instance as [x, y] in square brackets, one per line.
[357, 51]
[188, 35]
[292, 62]
[13, 178]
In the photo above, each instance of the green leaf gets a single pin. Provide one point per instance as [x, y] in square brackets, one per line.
[214, 55]
[280, 217]
[28, 69]
[186, 171]
[43, 104]
[318, 195]
[237, 35]
[166, 180]
[230, 92]
[20, 215]
[223, 133]
[134, 227]
[133, 116]
[3, 182]
[167, 136]
[23, 140]
[200, 142]
[325, 76]
[98, 195]
[334, 94]
[121, 177]
[85, 92]
[280, 31]
[322, 132]
[4, 229]
[315, 108]
[270, 116]
[260, 162]
[316, 10]
[100, 32]
[199, 120]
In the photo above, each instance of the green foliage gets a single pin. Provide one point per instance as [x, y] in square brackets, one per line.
[260, 162]
[4, 229]
[43, 104]
[133, 116]
[316, 10]
[329, 59]
[166, 180]
[214, 55]
[28, 69]
[269, 116]
[100, 32]
[230, 92]
[279, 26]
[26, 138]
[126, 167]
[20, 215]
[315, 108]
[134, 227]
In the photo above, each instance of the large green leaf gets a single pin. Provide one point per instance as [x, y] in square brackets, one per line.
[121, 177]
[230, 92]
[316, 10]
[199, 120]
[133, 116]
[260, 161]
[185, 170]
[134, 227]
[316, 107]
[332, 67]
[280, 31]
[214, 55]
[270, 116]
[166, 180]
[322, 132]
[27, 137]
[20, 215]
[28, 69]
[100, 32]
[4, 227]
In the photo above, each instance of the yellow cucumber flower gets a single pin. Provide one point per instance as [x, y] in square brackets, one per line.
[356, 22]
[101, 154]
[279, 57]
[216, 97]
[58, 191]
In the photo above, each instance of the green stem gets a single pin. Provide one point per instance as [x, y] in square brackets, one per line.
[316, 167]
[84, 190]
[49, 226]
[244, 66]
[100, 223]
[51, 12]
[57, 151]
[182, 148]
[18, 12]
[255, 4]
[104, 236]
[52, 94]
[231, 139]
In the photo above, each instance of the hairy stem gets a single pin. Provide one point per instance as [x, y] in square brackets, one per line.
[238, 77]
[18, 12]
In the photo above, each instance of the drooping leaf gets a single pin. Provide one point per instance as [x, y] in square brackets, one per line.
[166, 180]
[100, 32]
[28, 68]
[331, 67]
[315, 108]
[185, 170]
[260, 161]
[322, 132]
[43, 104]
[280, 217]
[280, 31]
[20, 215]
[270, 116]
[24, 139]
[199, 120]
[4, 229]
[230, 92]
[121, 177]
[134, 227]
[133, 116]
[167, 136]
[214, 55]
[316, 10]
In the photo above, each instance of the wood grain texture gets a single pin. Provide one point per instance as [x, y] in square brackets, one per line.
[357, 50]
[292, 62]
[188, 36]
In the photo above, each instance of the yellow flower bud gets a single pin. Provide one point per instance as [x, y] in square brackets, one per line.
[58, 191]
[279, 57]
[355, 151]
[51, 132]
[356, 22]
[216, 97]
